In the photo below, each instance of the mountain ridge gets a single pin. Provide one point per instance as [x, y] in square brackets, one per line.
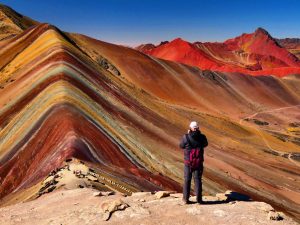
[292, 44]
[257, 53]
[12, 22]
[62, 98]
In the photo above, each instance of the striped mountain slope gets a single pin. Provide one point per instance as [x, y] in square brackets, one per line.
[122, 113]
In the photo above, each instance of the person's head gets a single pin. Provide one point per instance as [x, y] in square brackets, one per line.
[194, 126]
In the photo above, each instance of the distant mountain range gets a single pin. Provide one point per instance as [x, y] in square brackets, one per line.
[257, 53]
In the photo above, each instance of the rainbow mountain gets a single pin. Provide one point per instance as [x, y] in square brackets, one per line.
[66, 96]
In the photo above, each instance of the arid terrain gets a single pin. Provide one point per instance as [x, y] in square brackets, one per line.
[83, 206]
[257, 53]
[67, 97]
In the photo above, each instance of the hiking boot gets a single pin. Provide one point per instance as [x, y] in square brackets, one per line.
[200, 202]
[186, 202]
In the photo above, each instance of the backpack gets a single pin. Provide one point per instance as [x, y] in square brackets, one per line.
[195, 156]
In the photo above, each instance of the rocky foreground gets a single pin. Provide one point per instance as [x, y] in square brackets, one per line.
[87, 206]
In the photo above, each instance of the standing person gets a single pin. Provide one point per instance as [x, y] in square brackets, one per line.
[193, 144]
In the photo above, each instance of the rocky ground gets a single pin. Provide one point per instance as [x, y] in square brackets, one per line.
[88, 206]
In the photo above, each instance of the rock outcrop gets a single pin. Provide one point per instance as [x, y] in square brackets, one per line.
[80, 206]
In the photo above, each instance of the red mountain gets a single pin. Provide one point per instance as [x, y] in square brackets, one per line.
[257, 53]
[291, 44]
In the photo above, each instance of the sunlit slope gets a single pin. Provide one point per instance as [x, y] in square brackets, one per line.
[123, 113]
[12, 23]
[58, 106]
[189, 86]
[291, 44]
[240, 155]
[257, 53]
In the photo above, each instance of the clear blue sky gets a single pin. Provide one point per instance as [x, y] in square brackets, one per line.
[142, 21]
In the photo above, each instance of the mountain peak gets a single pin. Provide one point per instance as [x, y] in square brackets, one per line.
[179, 42]
[163, 43]
[145, 47]
[263, 52]
[261, 32]
[6, 9]
[12, 22]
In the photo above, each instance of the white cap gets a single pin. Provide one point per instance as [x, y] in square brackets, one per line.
[194, 124]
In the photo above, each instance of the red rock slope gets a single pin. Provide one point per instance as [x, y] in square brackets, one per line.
[291, 44]
[255, 54]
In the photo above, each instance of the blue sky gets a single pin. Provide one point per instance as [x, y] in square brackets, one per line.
[133, 22]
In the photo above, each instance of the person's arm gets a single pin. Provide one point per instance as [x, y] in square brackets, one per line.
[204, 141]
[183, 142]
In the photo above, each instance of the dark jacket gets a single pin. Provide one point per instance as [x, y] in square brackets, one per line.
[197, 139]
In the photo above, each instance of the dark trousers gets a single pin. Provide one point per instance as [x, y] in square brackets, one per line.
[187, 182]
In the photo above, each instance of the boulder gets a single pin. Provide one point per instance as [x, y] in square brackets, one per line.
[272, 215]
[92, 178]
[96, 193]
[107, 65]
[162, 194]
[108, 207]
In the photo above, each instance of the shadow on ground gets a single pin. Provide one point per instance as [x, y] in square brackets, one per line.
[232, 196]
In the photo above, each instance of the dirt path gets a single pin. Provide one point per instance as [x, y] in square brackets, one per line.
[263, 137]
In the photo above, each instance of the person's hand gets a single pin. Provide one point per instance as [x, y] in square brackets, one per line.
[189, 130]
